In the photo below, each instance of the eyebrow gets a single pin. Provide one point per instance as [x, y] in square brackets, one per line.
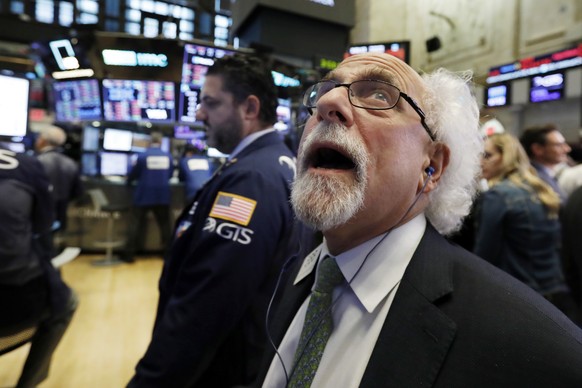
[375, 73]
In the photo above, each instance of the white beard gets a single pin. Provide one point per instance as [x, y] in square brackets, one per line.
[325, 202]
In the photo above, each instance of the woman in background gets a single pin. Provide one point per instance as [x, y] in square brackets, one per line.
[517, 221]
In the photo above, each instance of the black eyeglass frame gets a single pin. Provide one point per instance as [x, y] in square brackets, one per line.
[405, 96]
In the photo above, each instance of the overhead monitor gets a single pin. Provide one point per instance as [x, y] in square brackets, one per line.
[117, 139]
[497, 95]
[400, 49]
[14, 95]
[197, 60]
[132, 100]
[77, 100]
[549, 87]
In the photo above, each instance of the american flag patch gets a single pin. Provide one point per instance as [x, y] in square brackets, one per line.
[232, 207]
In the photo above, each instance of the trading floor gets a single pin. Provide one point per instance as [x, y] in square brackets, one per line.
[110, 330]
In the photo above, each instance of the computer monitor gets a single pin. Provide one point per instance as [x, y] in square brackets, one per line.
[77, 100]
[140, 142]
[90, 138]
[89, 164]
[497, 95]
[117, 139]
[114, 163]
[13, 106]
[548, 87]
[197, 60]
[137, 100]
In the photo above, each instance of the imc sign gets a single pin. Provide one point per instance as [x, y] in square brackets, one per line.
[133, 59]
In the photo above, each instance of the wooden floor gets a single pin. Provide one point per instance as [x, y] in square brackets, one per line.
[110, 330]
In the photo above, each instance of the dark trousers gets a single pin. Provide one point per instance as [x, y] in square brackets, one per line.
[43, 345]
[137, 227]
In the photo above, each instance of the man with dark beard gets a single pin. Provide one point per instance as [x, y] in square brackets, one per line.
[229, 243]
[386, 166]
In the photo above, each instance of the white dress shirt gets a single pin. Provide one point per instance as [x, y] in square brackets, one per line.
[373, 271]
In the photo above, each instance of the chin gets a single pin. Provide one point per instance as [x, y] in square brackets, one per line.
[325, 201]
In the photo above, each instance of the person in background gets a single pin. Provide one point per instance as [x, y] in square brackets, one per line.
[194, 171]
[386, 165]
[229, 244]
[547, 151]
[517, 221]
[32, 293]
[151, 172]
[63, 172]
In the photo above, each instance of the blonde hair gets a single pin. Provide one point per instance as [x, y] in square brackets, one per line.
[515, 167]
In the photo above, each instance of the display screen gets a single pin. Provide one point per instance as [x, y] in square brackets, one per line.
[77, 100]
[14, 94]
[114, 163]
[283, 115]
[497, 95]
[89, 165]
[188, 133]
[548, 87]
[197, 60]
[117, 139]
[131, 100]
[140, 142]
[90, 138]
[400, 50]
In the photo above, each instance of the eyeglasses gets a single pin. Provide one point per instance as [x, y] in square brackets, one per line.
[366, 94]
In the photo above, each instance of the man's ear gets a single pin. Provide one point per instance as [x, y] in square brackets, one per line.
[434, 167]
[252, 107]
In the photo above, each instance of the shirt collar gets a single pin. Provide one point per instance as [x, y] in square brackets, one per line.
[248, 140]
[375, 267]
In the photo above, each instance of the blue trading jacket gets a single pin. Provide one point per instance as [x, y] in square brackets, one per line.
[152, 171]
[194, 171]
[229, 247]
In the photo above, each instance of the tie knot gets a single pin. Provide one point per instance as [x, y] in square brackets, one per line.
[328, 275]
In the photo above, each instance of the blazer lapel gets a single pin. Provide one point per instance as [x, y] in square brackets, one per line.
[416, 335]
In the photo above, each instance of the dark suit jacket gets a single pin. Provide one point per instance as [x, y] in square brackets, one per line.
[456, 321]
[571, 217]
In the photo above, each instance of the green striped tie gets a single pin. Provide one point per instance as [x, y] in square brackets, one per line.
[318, 324]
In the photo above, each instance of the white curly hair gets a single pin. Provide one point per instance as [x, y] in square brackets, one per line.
[453, 115]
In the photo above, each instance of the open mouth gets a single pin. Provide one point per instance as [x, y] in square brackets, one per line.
[329, 158]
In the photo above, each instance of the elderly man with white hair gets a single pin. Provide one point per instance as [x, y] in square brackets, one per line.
[386, 167]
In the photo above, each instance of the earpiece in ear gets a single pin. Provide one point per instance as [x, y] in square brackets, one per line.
[429, 170]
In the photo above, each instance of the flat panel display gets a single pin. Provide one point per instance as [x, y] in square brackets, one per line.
[77, 100]
[197, 60]
[133, 100]
[140, 142]
[13, 106]
[117, 139]
[89, 165]
[549, 87]
[91, 138]
[498, 95]
[283, 115]
[188, 133]
[400, 50]
[114, 163]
